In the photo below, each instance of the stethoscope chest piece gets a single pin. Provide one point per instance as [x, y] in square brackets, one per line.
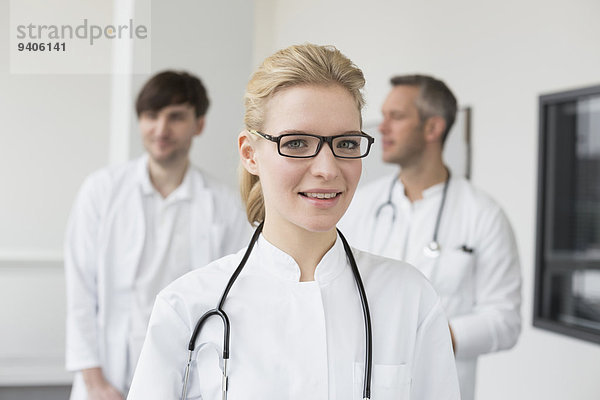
[432, 250]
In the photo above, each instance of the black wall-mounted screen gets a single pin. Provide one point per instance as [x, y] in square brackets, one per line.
[567, 282]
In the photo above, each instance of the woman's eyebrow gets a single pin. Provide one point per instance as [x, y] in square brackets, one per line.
[352, 133]
[294, 131]
[298, 131]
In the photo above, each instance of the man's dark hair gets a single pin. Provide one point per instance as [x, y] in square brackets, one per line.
[434, 99]
[171, 87]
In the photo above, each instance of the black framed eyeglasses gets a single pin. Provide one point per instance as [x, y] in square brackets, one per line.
[307, 145]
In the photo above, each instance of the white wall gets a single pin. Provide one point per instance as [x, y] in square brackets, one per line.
[497, 57]
[56, 129]
[214, 40]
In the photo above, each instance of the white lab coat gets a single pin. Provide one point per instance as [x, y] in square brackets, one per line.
[480, 290]
[103, 245]
[299, 340]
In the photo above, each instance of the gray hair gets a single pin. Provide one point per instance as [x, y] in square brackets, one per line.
[434, 99]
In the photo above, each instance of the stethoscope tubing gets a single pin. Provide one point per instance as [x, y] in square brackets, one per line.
[389, 201]
[218, 311]
[366, 316]
[441, 209]
[434, 243]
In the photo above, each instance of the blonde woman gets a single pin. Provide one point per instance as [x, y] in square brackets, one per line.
[299, 314]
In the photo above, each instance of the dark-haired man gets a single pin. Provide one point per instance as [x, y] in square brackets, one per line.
[455, 234]
[135, 228]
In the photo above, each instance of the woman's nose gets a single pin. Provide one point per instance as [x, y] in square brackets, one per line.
[325, 164]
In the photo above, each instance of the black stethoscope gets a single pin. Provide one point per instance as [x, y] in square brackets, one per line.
[218, 311]
[433, 248]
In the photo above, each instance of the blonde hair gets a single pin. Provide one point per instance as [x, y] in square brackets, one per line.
[306, 64]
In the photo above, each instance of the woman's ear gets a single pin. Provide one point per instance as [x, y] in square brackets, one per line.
[247, 152]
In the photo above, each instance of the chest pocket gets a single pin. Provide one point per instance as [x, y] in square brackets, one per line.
[388, 382]
[454, 273]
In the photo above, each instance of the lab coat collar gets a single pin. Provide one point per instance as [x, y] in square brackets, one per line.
[432, 191]
[274, 261]
[183, 192]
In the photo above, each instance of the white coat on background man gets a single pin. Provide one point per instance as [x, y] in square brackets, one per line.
[299, 340]
[135, 228]
[477, 272]
[106, 236]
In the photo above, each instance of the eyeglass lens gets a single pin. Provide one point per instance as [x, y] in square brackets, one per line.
[307, 146]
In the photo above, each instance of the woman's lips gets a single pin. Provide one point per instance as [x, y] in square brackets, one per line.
[321, 199]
